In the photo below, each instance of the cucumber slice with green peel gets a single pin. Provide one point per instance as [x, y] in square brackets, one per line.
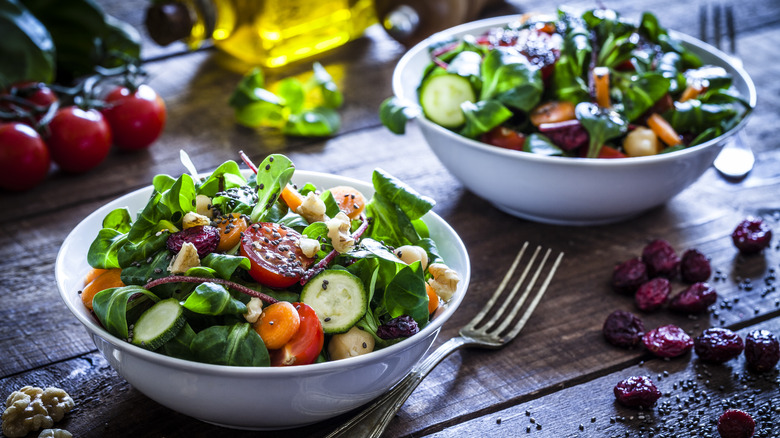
[441, 96]
[158, 324]
[338, 298]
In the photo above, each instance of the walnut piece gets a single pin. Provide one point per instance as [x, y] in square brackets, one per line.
[254, 308]
[312, 208]
[444, 281]
[338, 232]
[31, 408]
[186, 258]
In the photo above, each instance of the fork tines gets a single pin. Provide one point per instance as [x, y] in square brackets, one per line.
[501, 315]
[719, 14]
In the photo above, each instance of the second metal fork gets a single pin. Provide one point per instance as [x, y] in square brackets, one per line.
[736, 159]
[494, 326]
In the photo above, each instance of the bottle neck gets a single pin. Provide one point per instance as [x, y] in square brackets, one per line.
[192, 21]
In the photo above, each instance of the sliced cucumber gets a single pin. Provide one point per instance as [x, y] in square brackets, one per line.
[338, 298]
[441, 96]
[158, 324]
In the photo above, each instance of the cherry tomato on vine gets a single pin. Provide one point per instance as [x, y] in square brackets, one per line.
[136, 118]
[305, 345]
[78, 139]
[28, 100]
[275, 256]
[24, 157]
[36, 92]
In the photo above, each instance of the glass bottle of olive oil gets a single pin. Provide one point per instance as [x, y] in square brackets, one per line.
[269, 33]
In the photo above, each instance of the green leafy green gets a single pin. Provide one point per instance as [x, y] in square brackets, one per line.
[213, 299]
[602, 125]
[111, 306]
[236, 345]
[273, 175]
[26, 41]
[509, 78]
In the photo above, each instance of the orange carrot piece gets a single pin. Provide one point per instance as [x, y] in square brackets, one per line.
[107, 280]
[349, 199]
[663, 130]
[277, 324]
[93, 274]
[292, 197]
[230, 228]
[433, 299]
[601, 86]
[690, 92]
[552, 112]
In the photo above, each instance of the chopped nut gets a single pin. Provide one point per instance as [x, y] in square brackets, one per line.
[312, 209]
[31, 408]
[203, 206]
[309, 247]
[338, 232]
[444, 281]
[410, 254]
[254, 309]
[192, 219]
[186, 258]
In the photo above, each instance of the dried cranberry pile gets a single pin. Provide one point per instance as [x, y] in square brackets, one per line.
[751, 236]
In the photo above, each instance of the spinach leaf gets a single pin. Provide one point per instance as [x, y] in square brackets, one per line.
[567, 82]
[483, 116]
[405, 294]
[695, 116]
[273, 175]
[103, 251]
[602, 125]
[224, 264]
[179, 345]
[213, 299]
[541, 145]
[111, 306]
[576, 42]
[138, 251]
[322, 82]
[27, 41]
[118, 219]
[170, 205]
[394, 113]
[235, 345]
[510, 78]
[315, 122]
[412, 203]
[641, 93]
[226, 176]
[157, 267]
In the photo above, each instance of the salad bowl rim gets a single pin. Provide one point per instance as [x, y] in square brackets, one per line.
[407, 93]
[95, 329]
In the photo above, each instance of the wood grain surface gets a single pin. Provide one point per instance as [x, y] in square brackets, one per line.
[557, 375]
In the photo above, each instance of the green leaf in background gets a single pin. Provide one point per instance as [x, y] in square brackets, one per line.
[317, 122]
[292, 93]
[236, 345]
[322, 80]
[111, 307]
[28, 43]
[394, 114]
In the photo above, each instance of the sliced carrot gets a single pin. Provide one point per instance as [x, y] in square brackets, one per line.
[601, 86]
[292, 197]
[93, 274]
[230, 228]
[107, 280]
[552, 112]
[663, 130]
[350, 200]
[690, 92]
[277, 324]
[433, 299]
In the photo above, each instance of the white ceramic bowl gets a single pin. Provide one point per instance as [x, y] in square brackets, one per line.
[254, 397]
[564, 190]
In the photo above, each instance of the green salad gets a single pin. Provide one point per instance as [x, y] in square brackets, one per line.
[257, 272]
[592, 85]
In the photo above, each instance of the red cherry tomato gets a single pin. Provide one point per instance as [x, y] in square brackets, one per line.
[29, 98]
[136, 119]
[36, 92]
[276, 258]
[79, 139]
[305, 345]
[504, 138]
[24, 157]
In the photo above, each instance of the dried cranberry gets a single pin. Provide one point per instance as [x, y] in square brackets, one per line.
[660, 258]
[205, 238]
[762, 350]
[653, 294]
[696, 299]
[751, 236]
[567, 135]
[667, 341]
[736, 424]
[637, 391]
[718, 345]
[629, 275]
[623, 329]
[694, 266]
[402, 326]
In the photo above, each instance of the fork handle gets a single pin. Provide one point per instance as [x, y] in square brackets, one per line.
[373, 421]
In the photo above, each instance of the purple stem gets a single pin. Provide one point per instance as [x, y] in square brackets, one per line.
[227, 283]
[248, 162]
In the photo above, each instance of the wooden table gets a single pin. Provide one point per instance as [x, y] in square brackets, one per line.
[555, 380]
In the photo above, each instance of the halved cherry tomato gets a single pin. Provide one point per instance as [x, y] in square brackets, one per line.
[504, 138]
[350, 200]
[306, 343]
[275, 255]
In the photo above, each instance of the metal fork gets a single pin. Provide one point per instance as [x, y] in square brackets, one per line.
[493, 327]
[736, 159]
